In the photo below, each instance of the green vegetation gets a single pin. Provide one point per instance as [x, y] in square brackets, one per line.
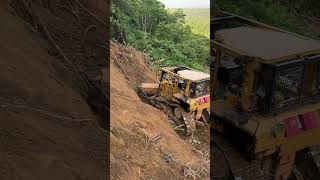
[198, 20]
[148, 26]
[281, 13]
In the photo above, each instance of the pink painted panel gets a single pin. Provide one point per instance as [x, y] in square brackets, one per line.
[292, 126]
[308, 120]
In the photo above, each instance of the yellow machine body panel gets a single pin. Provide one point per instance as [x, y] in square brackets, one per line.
[272, 135]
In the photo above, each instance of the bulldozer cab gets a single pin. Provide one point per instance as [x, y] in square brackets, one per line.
[183, 83]
[265, 70]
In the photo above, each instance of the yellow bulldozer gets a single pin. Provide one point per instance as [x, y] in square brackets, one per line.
[265, 101]
[183, 94]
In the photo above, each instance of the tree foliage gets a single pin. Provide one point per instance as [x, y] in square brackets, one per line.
[279, 13]
[150, 27]
[197, 19]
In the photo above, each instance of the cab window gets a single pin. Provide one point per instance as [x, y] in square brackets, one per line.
[200, 88]
[182, 84]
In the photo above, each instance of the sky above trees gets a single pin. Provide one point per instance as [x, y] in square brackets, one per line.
[186, 3]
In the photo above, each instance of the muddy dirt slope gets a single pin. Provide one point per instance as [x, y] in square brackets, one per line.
[143, 144]
[47, 129]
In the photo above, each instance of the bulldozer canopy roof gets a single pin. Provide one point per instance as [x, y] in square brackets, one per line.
[193, 75]
[266, 44]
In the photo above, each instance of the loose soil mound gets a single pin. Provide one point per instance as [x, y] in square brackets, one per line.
[143, 144]
[47, 130]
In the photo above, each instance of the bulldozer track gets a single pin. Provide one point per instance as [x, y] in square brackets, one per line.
[235, 167]
[316, 158]
[307, 164]
[188, 124]
[223, 173]
[306, 167]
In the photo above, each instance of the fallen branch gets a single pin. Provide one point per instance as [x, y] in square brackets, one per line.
[129, 79]
[89, 12]
[50, 114]
[178, 127]
[85, 34]
[157, 138]
[52, 41]
[71, 10]
[30, 11]
[74, 68]
[313, 19]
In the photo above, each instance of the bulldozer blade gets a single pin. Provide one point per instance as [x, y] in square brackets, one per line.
[150, 88]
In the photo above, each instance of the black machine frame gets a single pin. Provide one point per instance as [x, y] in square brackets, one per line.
[271, 81]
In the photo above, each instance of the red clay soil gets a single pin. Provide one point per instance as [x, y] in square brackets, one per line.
[47, 131]
[143, 144]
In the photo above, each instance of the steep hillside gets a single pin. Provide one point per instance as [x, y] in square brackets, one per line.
[143, 143]
[48, 130]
